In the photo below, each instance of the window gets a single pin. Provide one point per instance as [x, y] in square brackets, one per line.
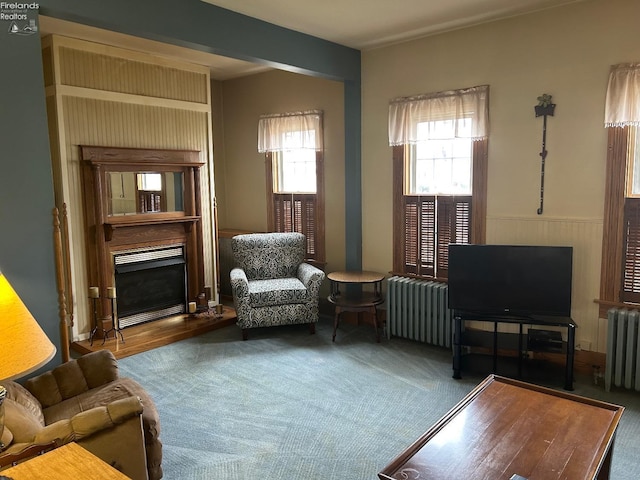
[620, 273]
[295, 177]
[439, 170]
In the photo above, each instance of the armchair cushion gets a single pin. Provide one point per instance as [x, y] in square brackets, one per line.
[268, 255]
[280, 291]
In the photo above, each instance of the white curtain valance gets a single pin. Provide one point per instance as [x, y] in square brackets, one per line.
[456, 106]
[622, 106]
[285, 131]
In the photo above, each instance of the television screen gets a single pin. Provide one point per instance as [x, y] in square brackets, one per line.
[510, 279]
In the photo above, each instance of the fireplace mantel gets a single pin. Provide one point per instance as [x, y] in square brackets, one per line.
[186, 222]
[138, 216]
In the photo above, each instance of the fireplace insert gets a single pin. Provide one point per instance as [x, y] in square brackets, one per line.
[150, 283]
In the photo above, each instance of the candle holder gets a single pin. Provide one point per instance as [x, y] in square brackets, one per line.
[95, 296]
[115, 323]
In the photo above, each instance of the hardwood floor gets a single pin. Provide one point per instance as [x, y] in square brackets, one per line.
[146, 336]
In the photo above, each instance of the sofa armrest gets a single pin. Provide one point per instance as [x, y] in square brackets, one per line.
[239, 283]
[74, 377]
[89, 422]
[311, 277]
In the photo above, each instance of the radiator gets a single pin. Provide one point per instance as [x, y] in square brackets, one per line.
[417, 310]
[623, 358]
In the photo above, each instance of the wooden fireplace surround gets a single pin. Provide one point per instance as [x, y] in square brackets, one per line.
[107, 234]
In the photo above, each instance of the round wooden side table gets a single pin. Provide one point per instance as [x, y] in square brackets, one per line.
[363, 301]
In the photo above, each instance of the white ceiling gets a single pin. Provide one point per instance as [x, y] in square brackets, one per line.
[360, 24]
[364, 24]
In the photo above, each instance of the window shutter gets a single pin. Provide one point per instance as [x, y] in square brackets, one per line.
[304, 220]
[411, 240]
[454, 226]
[310, 225]
[427, 235]
[297, 213]
[282, 217]
[446, 232]
[419, 238]
[631, 270]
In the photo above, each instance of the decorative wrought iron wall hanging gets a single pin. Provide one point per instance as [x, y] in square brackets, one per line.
[543, 109]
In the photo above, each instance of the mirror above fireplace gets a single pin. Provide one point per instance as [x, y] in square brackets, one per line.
[132, 193]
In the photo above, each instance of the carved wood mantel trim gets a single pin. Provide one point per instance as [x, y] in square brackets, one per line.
[106, 234]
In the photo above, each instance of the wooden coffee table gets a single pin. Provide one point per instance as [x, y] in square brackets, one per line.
[68, 462]
[506, 427]
[362, 301]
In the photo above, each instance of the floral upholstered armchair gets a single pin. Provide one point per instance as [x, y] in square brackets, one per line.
[271, 284]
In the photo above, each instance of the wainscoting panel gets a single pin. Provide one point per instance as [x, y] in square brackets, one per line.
[585, 236]
[86, 66]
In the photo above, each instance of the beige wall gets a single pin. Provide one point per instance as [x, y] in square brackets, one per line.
[565, 52]
[240, 175]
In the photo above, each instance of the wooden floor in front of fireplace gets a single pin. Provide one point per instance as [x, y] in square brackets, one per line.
[146, 336]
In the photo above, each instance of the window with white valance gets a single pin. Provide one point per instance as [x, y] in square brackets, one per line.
[287, 131]
[622, 106]
[465, 111]
[293, 147]
[620, 273]
[440, 144]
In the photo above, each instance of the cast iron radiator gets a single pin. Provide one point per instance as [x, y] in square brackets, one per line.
[417, 310]
[623, 359]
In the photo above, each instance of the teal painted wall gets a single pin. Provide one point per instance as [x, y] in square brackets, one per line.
[26, 187]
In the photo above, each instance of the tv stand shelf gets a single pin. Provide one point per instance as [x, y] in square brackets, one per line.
[496, 341]
[483, 339]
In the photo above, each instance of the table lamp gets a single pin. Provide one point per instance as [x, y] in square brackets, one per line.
[24, 346]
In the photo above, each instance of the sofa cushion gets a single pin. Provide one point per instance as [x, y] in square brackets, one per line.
[280, 291]
[74, 377]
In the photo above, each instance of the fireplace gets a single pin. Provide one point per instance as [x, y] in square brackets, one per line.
[150, 283]
[152, 254]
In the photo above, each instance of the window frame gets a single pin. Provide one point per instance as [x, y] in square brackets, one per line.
[279, 203]
[478, 209]
[616, 218]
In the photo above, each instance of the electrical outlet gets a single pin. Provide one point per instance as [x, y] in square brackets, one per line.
[583, 345]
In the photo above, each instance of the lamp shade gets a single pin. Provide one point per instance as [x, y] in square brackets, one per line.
[24, 346]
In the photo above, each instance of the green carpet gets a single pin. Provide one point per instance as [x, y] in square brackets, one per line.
[286, 404]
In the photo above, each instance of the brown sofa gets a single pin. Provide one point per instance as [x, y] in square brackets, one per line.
[86, 401]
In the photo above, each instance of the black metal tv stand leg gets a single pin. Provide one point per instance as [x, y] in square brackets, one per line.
[495, 347]
[571, 346]
[457, 346]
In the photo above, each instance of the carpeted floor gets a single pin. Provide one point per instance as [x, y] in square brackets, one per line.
[286, 404]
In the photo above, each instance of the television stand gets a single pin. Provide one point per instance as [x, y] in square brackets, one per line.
[460, 318]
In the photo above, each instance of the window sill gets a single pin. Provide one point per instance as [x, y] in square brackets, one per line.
[605, 305]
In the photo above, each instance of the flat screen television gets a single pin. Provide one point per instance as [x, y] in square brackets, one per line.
[516, 280]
